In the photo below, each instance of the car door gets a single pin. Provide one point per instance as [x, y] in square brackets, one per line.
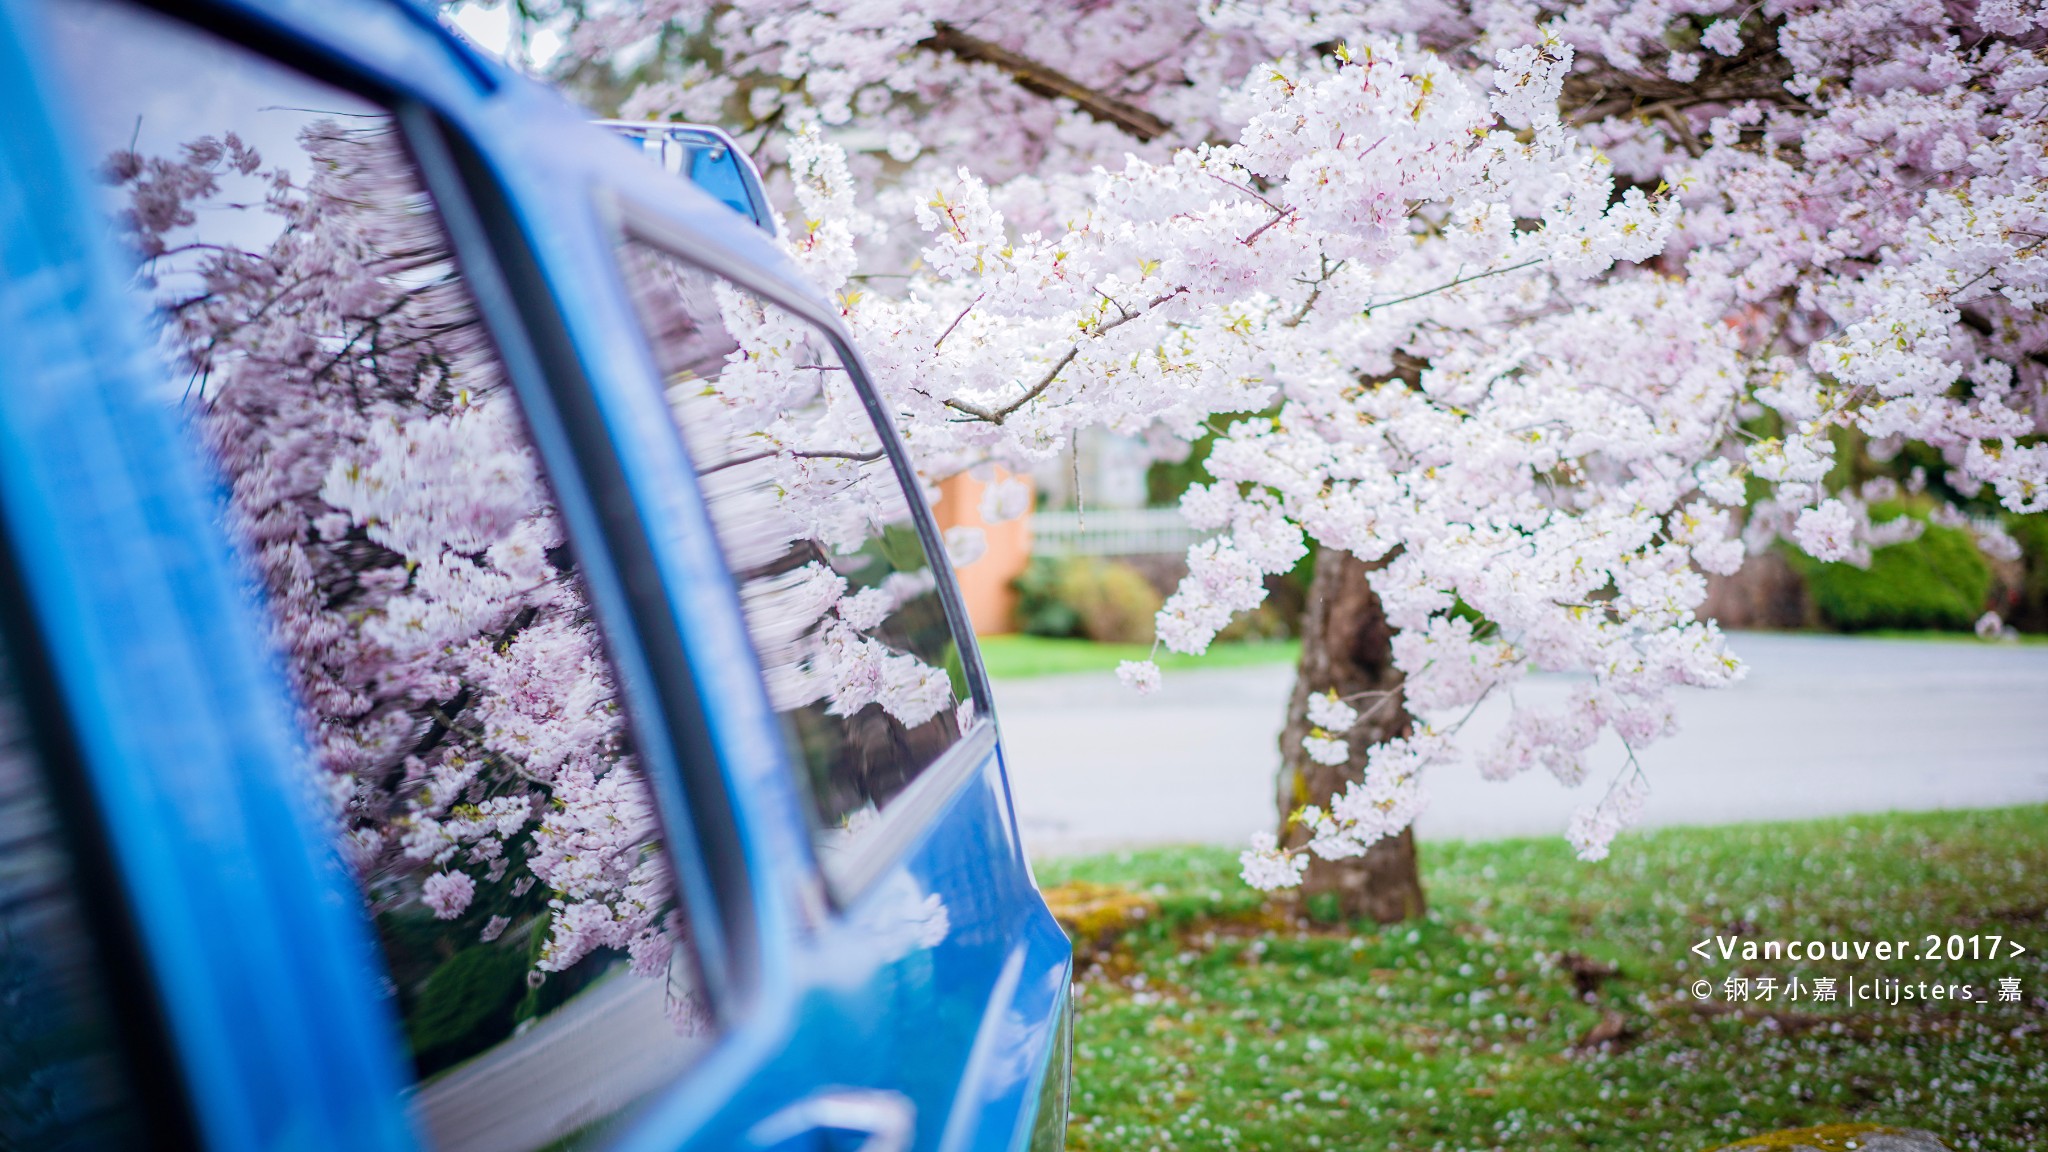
[401, 306]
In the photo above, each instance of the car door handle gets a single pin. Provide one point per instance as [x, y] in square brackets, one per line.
[884, 1121]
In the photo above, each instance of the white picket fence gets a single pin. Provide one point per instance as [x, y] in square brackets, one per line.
[1112, 532]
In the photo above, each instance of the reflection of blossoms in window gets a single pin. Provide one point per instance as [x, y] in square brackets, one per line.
[818, 633]
[448, 893]
[838, 589]
[464, 724]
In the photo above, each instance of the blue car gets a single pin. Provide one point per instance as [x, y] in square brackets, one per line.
[477, 670]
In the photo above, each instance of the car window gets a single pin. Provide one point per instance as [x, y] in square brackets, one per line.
[63, 1082]
[840, 593]
[463, 725]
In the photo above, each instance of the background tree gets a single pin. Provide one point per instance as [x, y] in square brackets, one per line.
[1523, 401]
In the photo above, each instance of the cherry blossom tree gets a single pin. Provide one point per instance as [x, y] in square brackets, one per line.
[1560, 306]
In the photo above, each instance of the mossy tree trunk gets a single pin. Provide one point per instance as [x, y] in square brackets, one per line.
[1347, 645]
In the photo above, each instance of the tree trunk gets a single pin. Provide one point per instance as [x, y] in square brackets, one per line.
[1347, 645]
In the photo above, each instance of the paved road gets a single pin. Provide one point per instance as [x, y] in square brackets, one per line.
[1823, 725]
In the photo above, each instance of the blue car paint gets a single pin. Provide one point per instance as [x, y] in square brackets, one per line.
[281, 1035]
[710, 158]
[249, 926]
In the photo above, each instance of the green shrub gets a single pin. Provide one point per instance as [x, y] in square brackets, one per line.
[1040, 611]
[1103, 600]
[1938, 580]
[466, 1004]
[1117, 604]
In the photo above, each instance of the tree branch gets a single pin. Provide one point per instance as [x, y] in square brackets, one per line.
[1315, 291]
[1246, 191]
[998, 415]
[859, 457]
[1032, 76]
[1605, 91]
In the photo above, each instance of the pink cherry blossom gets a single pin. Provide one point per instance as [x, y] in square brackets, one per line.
[1517, 335]
[447, 893]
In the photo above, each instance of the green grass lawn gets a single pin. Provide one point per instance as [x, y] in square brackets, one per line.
[1949, 637]
[1015, 656]
[1224, 1022]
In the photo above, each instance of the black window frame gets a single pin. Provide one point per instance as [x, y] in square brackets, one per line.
[150, 1064]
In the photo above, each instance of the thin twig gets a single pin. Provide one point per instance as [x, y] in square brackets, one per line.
[1245, 190]
[1121, 311]
[1315, 291]
[956, 322]
[1453, 729]
[1453, 284]
[1279, 215]
[858, 457]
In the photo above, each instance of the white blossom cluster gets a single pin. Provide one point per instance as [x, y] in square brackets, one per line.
[1188, 290]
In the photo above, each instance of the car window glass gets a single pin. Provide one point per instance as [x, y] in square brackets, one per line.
[839, 591]
[62, 1077]
[463, 724]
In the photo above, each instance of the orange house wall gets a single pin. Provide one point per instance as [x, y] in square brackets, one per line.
[985, 584]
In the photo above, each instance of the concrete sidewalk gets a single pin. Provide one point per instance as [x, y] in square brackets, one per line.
[1823, 725]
